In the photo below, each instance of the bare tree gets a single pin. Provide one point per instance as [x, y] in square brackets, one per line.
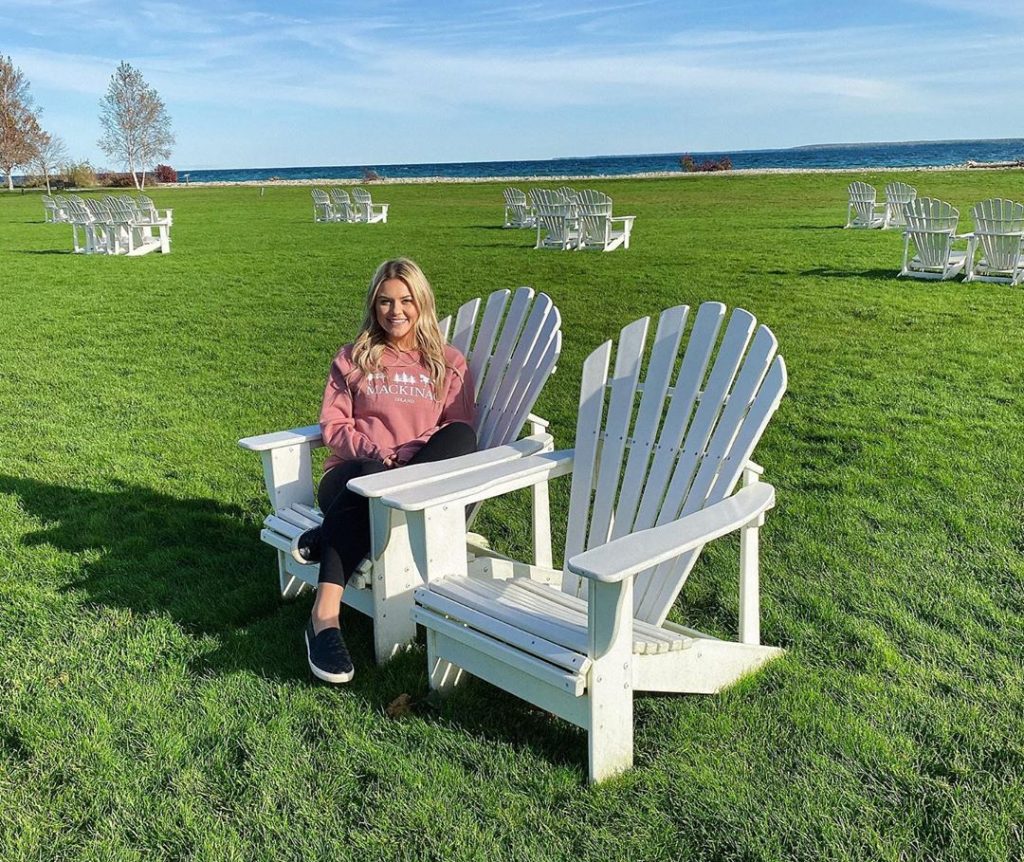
[19, 123]
[136, 126]
[49, 153]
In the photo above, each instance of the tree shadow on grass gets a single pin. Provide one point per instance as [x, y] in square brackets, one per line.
[200, 563]
[875, 274]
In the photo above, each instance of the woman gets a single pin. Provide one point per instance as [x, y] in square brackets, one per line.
[397, 395]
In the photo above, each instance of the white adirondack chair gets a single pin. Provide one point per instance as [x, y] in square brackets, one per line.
[342, 206]
[861, 210]
[511, 348]
[557, 221]
[322, 209]
[369, 212]
[52, 210]
[61, 209]
[93, 220]
[654, 478]
[931, 228]
[897, 195]
[598, 227]
[517, 211]
[999, 231]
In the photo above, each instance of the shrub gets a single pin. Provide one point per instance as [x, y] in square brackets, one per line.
[707, 166]
[112, 180]
[79, 175]
[370, 175]
[165, 174]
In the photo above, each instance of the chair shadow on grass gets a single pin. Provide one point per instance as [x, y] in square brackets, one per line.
[200, 563]
[197, 561]
[876, 274]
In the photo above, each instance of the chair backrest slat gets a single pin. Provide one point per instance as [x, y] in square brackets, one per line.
[649, 413]
[538, 347]
[510, 359]
[624, 382]
[588, 430]
[518, 311]
[681, 448]
[668, 579]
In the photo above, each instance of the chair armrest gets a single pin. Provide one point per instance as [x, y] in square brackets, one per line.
[625, 557]
[630, 219]
[489, 480]
[309, 434]
[438, 473]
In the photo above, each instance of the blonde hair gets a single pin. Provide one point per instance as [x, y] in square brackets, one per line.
[372, 340]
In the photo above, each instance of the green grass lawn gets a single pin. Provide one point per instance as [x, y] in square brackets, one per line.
[154, 696]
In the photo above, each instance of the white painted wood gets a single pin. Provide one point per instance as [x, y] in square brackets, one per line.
[513, 679]
[628, 555]
[644, 436]
[479, 356]
[462, 336]
[931, 231]
[862, 211]
[553, 653]
[484, 483]
[610, 728]
[999, 236]
[701, 433]
[369, 212]
[443, 676]
[750, 595]
[588, 425]
[542, 671]
[518, 213]
[625, 377]
[708, 667]
[897, 196]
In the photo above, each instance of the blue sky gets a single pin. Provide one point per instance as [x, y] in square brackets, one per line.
[262, 84]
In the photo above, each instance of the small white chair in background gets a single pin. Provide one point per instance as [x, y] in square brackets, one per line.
[897, 195]
[598, 227]
[517, 210]
[368, 211]
[931, 229]
[861, 209]
[322, 209]
[999, 233]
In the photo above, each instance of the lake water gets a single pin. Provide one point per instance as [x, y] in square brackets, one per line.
[894, 155]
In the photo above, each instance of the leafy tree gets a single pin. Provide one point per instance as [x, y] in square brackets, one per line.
[19, 123]
[50, 152]
[136, 126]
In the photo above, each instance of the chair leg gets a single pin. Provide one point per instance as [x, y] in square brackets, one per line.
[610, 696]
[443, 675]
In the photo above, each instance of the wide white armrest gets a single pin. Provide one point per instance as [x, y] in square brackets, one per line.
[489, 480]
[309, 434]
[622, 558]
[413, 475]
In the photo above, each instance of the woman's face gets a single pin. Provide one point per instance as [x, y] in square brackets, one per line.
[397, 313]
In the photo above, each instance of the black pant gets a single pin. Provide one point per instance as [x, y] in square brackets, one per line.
[345, 535]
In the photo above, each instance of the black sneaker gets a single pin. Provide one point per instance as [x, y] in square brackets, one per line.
[306, 547]
[328, 656]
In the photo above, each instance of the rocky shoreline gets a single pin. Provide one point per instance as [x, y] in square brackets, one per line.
[748, 172]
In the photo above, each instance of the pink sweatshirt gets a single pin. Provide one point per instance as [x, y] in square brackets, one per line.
[392, 412]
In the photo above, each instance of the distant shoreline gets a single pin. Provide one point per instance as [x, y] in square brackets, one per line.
[386, 181]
